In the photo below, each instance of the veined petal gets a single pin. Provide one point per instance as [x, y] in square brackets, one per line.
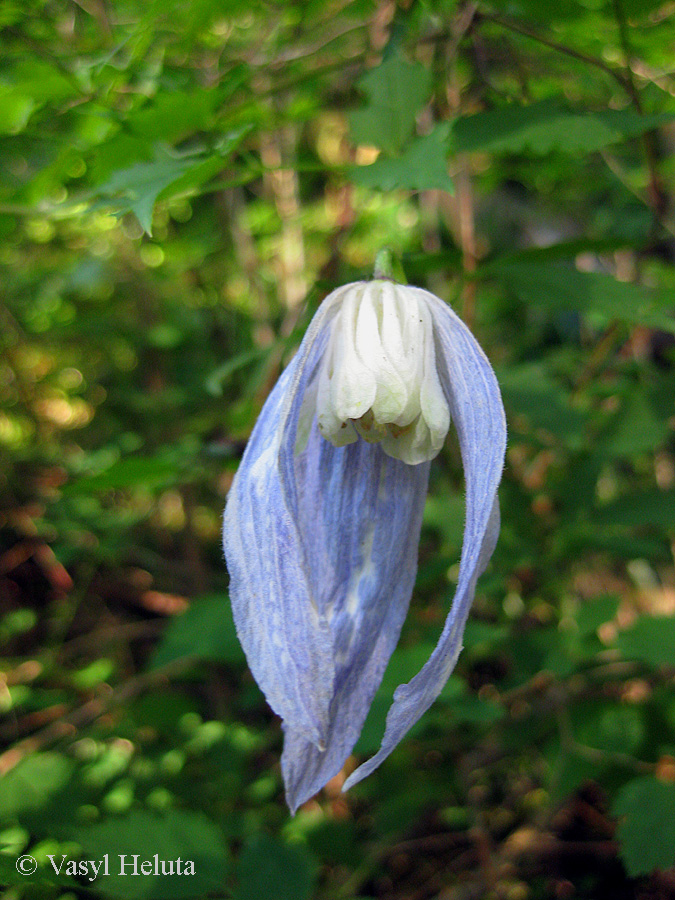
[475, 405]
[360, 512]
[321, 527]
[274, 599]
[321, 544]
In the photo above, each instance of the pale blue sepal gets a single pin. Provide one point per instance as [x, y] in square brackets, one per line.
[275, 605]
[476, 407]
[321, 546]
[360, 515]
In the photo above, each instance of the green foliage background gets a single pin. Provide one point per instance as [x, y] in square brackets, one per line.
[181, 184]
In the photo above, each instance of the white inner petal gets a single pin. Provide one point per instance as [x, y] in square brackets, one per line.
[379, 378]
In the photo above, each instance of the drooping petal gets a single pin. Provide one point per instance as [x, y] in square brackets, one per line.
[286, 639]
[321, 545]
[475, 405]
[360, 513]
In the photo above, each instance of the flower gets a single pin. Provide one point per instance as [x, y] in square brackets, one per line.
[323, 518]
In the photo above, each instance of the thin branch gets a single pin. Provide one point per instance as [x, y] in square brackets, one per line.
[527, 32]
[658, 201]
[627, 53]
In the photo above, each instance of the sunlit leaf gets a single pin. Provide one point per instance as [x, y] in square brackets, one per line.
[422, 166]
[30, 785]
[396, 91]
[138, 187]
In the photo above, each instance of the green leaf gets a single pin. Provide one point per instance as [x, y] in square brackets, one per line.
[648, 508]
[149, 471]
[546, 126]
[530, 392]
[404, 664]
[651, 640]
[269, 868]
[638, 428]
[33, 83]
[646, 832]
[561, 287]
[594, 613]
[396, 91]
[138, 187]
[220, 376]
[16, 109]
[32, 782]
[190, 836]
[174, 114]
[608, 726]
[206, 631]
[423, 166]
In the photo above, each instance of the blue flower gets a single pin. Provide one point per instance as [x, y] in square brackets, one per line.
[323, 519]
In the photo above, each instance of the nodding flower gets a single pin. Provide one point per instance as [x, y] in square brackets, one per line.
[323, 519]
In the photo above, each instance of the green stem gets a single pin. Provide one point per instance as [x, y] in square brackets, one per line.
[384, 265]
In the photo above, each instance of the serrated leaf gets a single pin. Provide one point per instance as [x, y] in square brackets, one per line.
[205, 631]
[137, 188]
[650, 640]
[422, 167]
[396, 91]
[646, 833]
[190, 836]
[269, 868]
[546, 126]
[561, 287]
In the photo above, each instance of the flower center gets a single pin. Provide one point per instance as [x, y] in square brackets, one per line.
[378, 379]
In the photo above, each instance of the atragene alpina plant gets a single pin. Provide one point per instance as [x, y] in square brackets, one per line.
[323, 518]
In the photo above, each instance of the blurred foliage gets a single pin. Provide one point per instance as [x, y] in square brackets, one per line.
[181, 184]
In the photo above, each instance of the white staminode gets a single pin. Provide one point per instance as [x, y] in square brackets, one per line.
[378, 379]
